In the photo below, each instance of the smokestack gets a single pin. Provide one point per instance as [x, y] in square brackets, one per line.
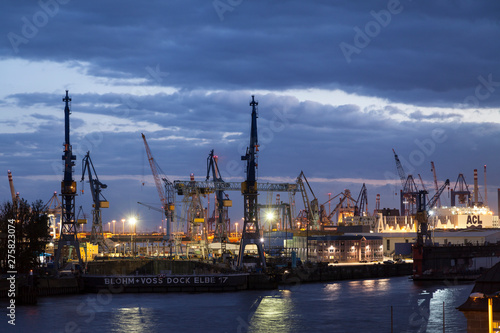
[476, 188]
[485, 189]
[498, 201]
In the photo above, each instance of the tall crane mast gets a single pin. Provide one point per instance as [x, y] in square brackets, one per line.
[96, 236]
[68, 235]
[251, 233]
[436, 187]
[166, 192]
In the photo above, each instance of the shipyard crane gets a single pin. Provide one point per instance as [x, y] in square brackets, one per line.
[220, 234]
[461, 190]
[399, 166]
[69, 235]
[436, 187]
[311, 207]
[423, 185]
[432, 203]
[96, 187]
[362, 202]
[165, 192]
[326, 219]
[53, 208]
[251, 233]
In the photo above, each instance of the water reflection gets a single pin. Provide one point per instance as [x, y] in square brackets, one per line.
[276, 311]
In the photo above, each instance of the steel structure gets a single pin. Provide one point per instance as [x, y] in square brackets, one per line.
[399, 167]
[222, 202]
[210, 187]
[362, 202]
[433, 202]
[461, 190]
[68, 236]
[99, 201]
[251, 232]
[53, 208]
[436, 186]
[165, 190]
[311, 207]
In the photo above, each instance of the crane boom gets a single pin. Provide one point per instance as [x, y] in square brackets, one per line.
[436, 196]
[401, 171]
[155, 171]
[167, 195]
[436, 187]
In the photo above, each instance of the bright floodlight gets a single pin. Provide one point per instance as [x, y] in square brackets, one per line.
[270, 216]
[132, 220]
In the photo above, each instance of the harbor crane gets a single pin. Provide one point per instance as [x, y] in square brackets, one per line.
[251, 233]
[362, 202]
[422, 218]
[220, 234]
[311, 207]
[68, 235]
[99, 201]
[436, 187]
[165, 190]
[434, 200]
[461, 190]
[410, 192]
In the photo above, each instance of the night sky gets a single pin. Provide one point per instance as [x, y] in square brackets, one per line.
[339, 84]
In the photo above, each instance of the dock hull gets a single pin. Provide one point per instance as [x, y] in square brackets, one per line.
[161, 283]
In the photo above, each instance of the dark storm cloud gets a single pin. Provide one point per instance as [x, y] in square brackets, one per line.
[425, 52]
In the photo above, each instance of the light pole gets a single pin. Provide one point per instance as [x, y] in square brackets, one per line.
[114, 221]
[123, 222]
[133, 222]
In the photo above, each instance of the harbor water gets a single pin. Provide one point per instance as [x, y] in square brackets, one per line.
[344, 306]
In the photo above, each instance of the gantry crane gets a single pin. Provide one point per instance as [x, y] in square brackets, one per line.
[165, 192]
[251, 233]
[220, 234]
[462, 190]
[99, 201]
[410, 192]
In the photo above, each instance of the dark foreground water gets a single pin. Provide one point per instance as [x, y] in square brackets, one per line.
[347, 306]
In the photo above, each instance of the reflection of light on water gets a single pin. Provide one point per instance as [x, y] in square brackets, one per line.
[134, 319]
[274, 311]
[377, 285]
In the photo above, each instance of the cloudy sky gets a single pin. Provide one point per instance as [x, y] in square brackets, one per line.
[339, 84]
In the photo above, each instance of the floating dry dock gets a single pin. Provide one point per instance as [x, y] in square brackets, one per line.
[163, 283]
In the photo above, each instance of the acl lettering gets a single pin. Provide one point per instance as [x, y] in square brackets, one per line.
[474, 219]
